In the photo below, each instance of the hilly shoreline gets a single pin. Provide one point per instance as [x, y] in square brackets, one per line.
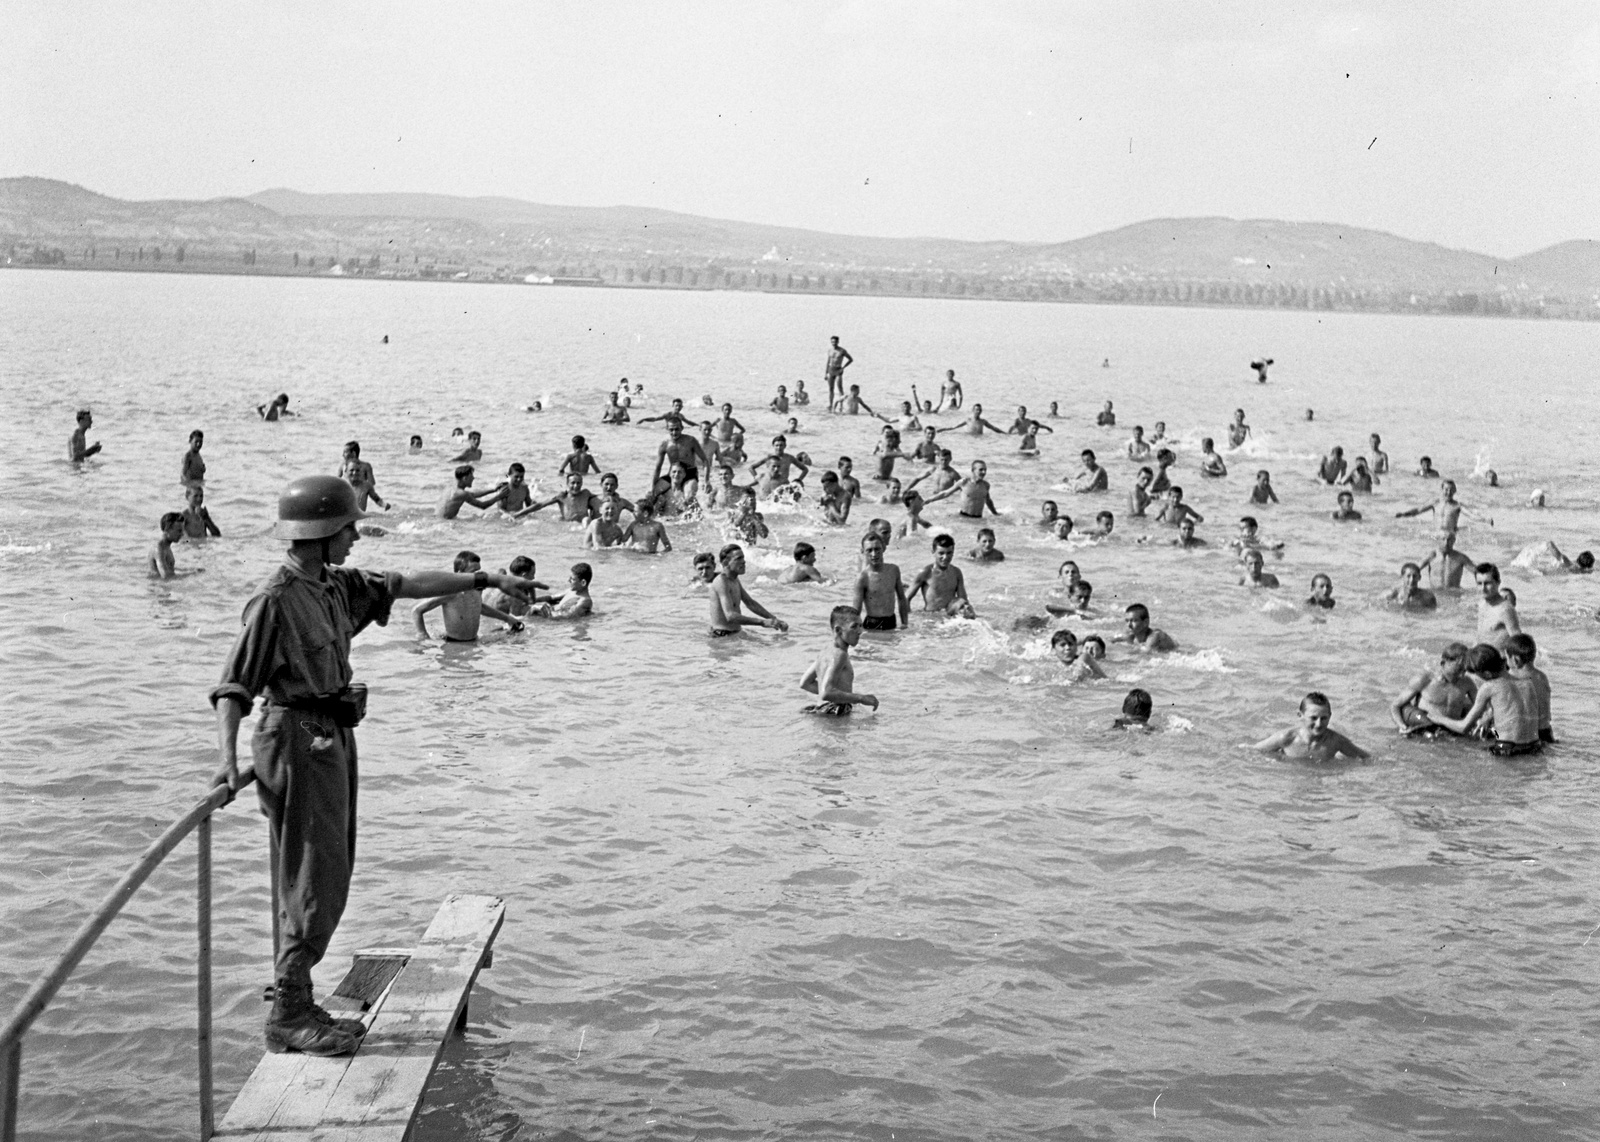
[1183, 261]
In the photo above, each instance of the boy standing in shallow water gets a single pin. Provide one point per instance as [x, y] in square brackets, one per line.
[162, 564]
[463, 610]
[831, 677]
[879, 588]
[974, 491]
[197, 521]
[1312, 739]
[940, 583]
[728, 594]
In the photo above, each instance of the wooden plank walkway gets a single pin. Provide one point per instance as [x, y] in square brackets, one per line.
[411, 1000]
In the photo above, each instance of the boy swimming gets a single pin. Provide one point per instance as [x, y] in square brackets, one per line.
[1136, 709]
[1141, 635]
[576, 603]
[986, 551]
[804, 567]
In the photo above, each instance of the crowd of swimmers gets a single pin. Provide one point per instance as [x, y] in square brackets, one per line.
[1492, 690]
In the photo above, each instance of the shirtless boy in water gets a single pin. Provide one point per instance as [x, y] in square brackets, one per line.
[1511, 699]
[942, 474]
[1497, 614]
[576, 603]
[450, 503]
[1312, 739]
[463, 611]
[78, 446]
[578, 504]
[832, 676]
[356, 472]
[1443, 693]
[940, 583]
[804, 567]
[161, 563]
[974, 424]
[1141, 635]
[728, 594]
[974, 491]
[879, 590]
[197, 521]
[646, 533]
[1410, 595]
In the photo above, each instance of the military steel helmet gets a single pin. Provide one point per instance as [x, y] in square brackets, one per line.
[316, 507]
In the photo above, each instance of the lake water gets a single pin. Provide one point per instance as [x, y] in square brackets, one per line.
[975, 913]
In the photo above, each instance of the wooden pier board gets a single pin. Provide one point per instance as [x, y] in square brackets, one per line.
[412, 999]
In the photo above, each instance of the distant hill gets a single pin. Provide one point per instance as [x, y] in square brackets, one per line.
[1166, 261]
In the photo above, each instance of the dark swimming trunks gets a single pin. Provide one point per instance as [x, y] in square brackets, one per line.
[827, 709]
[1516, 749]
[878, 622]
[969, 515]
[690, 472]
[715, 633]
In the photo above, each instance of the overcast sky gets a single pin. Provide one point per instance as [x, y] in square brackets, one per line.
[1470, 124]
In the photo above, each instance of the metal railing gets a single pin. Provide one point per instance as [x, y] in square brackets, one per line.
[196, 820]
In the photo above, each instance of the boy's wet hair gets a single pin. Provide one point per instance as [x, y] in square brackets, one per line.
[522, 566]
[728, 468]
[1343, 496]
[1324, 575]
[350, 445]
[1063, 525]
[1263, 474]
[1104, 517]
[1454, 652]
[1137, 704]
[803, 549]
[1050, 504]
[1404, 567]
[1488, 569]
[983, 531]
[871, 534]
[463, 470]
[842, 616]
[1147, 471]
[474, 435]
[1175, 490]
[1485, 659]
[1207, 443]
[703, 558]
[1094, 638]
[830, 477]
[1168, 455]
[1063, 638]
[645, 506]
[946, 454]
[915, 497]
[198, 435]
[1316, 698]
[582, 572]
[1521, 647]
[579, 442]
[415, 439]
[1249, 521]
[1138, 611]
[465, 560]
[1585, 559]
[168, 519]
[944, 539]
[83, 414]
[516, 467]
[1084, 588]
[727, 550]
[1086, 454]
[843, 460]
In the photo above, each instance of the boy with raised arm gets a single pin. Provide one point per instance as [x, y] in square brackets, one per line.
[578, 504]
[974, 491]
[462, 610]
[974, 424]
[1175, 511]
[1410, 595]
[832, 676]
[879, 590]
[777, 464]
[940, 583]
[912, 502]
[1312, 739]
[450, 503]
[728, 595]
[1064, 645]
[523, 568]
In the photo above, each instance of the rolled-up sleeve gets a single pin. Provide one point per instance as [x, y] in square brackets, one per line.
[254, 657]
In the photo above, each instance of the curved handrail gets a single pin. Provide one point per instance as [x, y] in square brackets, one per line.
[46, 986]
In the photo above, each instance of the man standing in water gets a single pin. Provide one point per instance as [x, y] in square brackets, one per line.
[78, 447]
[294, 649]
[839, 359]
[1497, 615]
[680, 449]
